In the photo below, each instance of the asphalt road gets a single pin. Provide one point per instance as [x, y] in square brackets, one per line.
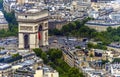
[64, 42]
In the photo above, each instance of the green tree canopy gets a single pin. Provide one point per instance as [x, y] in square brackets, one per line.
[1, 4]
[54, 54]
[38, 51]
[74, 72]
[116, 60]
[44, 57]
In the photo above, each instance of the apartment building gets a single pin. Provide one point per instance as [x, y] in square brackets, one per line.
[8, 4]
[5, 70]
[79, 58]
[39, 72]
[3, 22]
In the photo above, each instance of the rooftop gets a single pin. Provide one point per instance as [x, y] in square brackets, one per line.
[4, 66]
[115, 66]
[3, 21]
[27, 63]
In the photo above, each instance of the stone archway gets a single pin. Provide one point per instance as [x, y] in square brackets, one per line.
[40, 28]
[26, 41]
[39, 33]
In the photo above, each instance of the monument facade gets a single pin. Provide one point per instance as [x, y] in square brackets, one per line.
[33, 28]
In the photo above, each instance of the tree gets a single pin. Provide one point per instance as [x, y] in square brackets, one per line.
[38, 52]
[90, 45]
[116, 60]
[78, 47]
[1, 4]
[44, 57]
[78, 24]
[54, 54]
[13, 25]
[15, 55]
[116, 38]
[86, 20]
[65, 29]
[72, 26]
[78, 29]
[55, 32]
[109, 29]
[56, 61]
[105, 61]
[74, 72]
[10, 17]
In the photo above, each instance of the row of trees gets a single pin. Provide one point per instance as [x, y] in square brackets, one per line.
[108, 36]
[96, 46]
[54, 58]
[76, 29]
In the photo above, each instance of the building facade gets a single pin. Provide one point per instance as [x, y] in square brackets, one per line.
[28, 72]
[21, 1]
[8, 4]
[5, 70]
[27, 1]
[3, 22]
[33, 29]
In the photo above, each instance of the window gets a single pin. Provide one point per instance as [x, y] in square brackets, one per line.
[25, 16]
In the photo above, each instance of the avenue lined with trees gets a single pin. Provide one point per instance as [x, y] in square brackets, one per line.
[54, 58]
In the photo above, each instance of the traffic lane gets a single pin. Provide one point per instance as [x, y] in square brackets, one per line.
[67, 43]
